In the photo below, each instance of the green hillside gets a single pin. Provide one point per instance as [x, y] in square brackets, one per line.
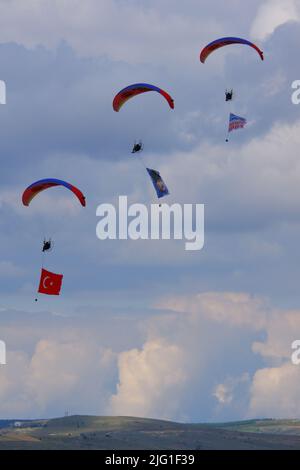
[92, 432]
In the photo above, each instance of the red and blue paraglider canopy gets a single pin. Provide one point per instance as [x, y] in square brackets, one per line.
[226, 42]
[136, 89]
[41, 185]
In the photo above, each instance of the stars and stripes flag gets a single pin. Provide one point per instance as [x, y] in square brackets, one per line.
[236, 122]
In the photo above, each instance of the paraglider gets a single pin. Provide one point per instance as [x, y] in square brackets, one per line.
[124, 95]
[50, 283]
[235, 122]
[41, 185]
[136, 89]
[218, 43]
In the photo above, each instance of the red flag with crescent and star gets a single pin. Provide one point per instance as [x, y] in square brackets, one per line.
[50, 283]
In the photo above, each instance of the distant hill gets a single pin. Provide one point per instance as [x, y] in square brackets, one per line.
[121, 433]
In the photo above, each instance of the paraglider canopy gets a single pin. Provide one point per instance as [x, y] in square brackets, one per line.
[225, 42]
[41, 185]
[136, 89]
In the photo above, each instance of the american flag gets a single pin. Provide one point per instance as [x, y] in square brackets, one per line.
[236, 122]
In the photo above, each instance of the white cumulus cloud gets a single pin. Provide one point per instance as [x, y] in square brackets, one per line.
[150, 380]
[272, 14]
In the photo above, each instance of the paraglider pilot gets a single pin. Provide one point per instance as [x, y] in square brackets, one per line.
[138, 147]
[229, 95]
[47, 245]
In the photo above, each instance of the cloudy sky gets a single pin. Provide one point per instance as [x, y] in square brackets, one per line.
[145, 328]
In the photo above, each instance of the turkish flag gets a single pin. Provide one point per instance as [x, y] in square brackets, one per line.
[50, 283]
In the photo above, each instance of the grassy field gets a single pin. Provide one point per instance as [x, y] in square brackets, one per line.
[118, 433]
